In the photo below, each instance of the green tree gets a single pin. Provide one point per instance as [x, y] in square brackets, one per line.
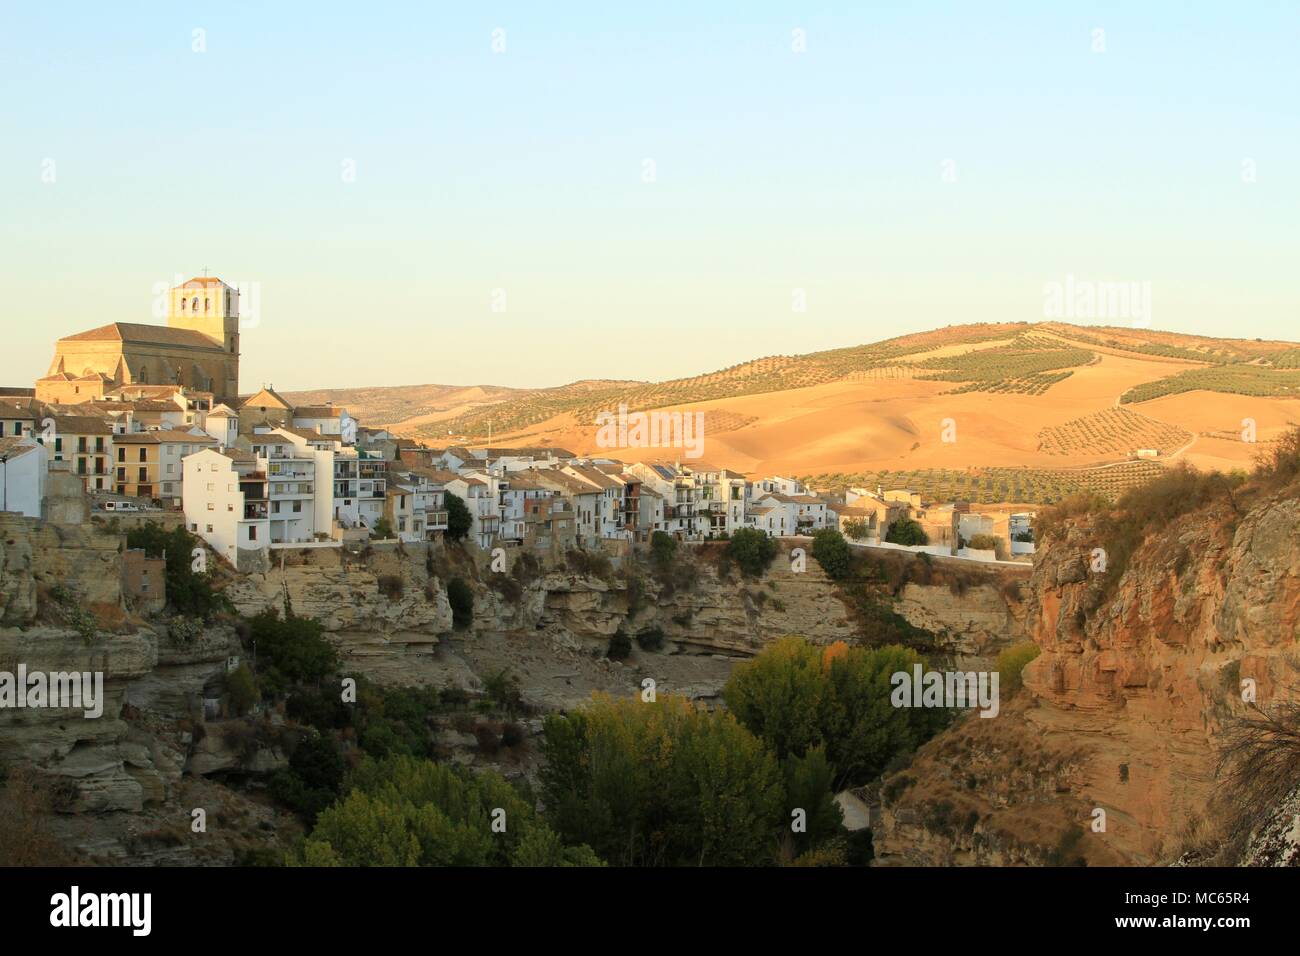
[188, 591]
[662, 783]
[832, 553]
[290, 651]
[857, 529]
[905, 531]
[241, 690]
[459, 520]
[797, 697]
[663, 548]
[752, 550]
[383, 529]
[403, 811]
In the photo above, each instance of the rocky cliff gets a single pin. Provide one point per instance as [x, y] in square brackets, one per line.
[1109, 753]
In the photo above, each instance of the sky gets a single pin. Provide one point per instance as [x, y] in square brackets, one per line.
[504, 194]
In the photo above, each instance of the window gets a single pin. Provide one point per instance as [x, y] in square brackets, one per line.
[297, 507]
[144, 474]
[252, 533]
[171, 469]
[144, 454]
[211, 486]
[211, 507]
[121, 454]
[209, 529]
[230, 507]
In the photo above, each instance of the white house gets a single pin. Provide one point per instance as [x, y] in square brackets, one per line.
[222, 423]
[604, 517]
[681, 496]
[23, 466]
[479, 494]
[225, 501]
[300, 479]
[328, 419]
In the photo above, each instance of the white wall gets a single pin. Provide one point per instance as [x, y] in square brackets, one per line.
[23, 479]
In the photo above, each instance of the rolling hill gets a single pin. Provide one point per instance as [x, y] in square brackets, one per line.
[1050, 398]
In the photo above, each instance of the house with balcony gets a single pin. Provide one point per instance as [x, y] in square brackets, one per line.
[298, 515]
[407, 524]
[226, 501]
[480, 497]
[721, 506]
[778, 485]
[516, 490]
[86, 443]
[782, 514]
[430, 496]
[605, 518]
[149, 464]
[681, 494]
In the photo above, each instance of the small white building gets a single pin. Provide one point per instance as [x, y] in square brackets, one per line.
[23, 466]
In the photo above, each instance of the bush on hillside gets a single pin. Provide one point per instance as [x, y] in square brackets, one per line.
[751, 550]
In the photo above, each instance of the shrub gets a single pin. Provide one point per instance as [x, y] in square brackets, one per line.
[650, 638]
[403, 811]
[513, 734]
[241, 690]
[502, 688]
[663, 548]
[488, 737]
[907, 532]
[290, 651]
[461, 598]
[620, 646]
[383, 529]
[1279, 464]
[752, 550]
[832, 553]
[1011, 665]
[391, 586]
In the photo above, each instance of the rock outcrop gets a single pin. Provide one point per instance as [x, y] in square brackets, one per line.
[1123, 712]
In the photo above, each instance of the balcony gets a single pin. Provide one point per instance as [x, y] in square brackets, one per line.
[255, 512]
[436, 520]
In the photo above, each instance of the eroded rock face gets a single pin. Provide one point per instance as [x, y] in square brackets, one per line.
[973, 625]
[342, 600]
[35, 554]
[1127, 702]
[88, 752]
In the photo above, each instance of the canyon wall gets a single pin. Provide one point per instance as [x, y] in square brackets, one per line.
[1123, 712]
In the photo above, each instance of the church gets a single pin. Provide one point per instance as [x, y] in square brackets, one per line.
[198, 348]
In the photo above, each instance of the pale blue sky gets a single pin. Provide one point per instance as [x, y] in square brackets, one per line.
[522, 171]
